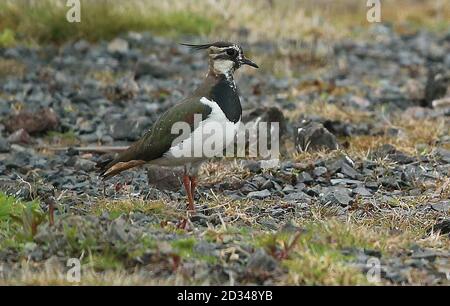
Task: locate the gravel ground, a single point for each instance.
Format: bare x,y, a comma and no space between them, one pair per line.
253,225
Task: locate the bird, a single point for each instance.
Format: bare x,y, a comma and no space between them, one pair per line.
215,103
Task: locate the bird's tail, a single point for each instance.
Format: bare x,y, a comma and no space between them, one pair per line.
110,166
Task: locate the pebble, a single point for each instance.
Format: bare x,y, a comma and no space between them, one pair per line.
5,146
259,194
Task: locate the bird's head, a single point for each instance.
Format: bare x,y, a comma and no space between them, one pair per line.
224,57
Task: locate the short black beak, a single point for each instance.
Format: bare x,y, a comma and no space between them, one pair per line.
246,61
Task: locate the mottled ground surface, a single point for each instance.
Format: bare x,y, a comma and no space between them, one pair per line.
373,211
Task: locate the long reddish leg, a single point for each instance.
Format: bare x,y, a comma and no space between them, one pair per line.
193,186
51,213
187,187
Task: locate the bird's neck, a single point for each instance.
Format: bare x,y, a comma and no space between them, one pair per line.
217,76
224,92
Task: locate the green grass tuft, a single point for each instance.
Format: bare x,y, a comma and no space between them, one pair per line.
45,21
18,220
7,38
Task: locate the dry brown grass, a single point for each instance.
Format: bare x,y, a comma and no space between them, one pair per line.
417,137
33,274
9,67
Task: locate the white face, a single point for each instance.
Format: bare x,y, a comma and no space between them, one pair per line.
223,61
223,66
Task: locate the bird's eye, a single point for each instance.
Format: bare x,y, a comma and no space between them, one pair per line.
232,52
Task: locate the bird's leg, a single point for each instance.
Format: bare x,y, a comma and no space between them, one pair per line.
193,186
187,187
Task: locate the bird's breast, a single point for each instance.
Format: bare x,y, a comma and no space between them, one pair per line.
210,138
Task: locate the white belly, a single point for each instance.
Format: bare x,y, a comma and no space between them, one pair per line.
211,137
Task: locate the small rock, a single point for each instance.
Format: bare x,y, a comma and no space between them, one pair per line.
248,187
118,45
268,184
164,178
20,136
319,171
84,165
314,136
348,170
345,182
5,147
425,254
288,188
443,206
81,46
117,230
304,177
205,248
298,197
259,194
251,165
18,160
362,191
443,155
260,260
33,122
337,196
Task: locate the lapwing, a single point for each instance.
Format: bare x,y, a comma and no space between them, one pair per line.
214,103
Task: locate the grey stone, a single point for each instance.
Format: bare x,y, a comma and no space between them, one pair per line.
344,182
205,248
259,194
248,187
298,197
117,230
425,254
348,170
268,184
319,171
165,178
84,164
251,165
5,147
337,196
443,154
288,189
314,136
20,136
304,177
260,260
362,191
443,206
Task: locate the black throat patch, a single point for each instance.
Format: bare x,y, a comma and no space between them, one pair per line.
225,94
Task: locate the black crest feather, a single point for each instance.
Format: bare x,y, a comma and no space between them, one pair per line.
219,44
